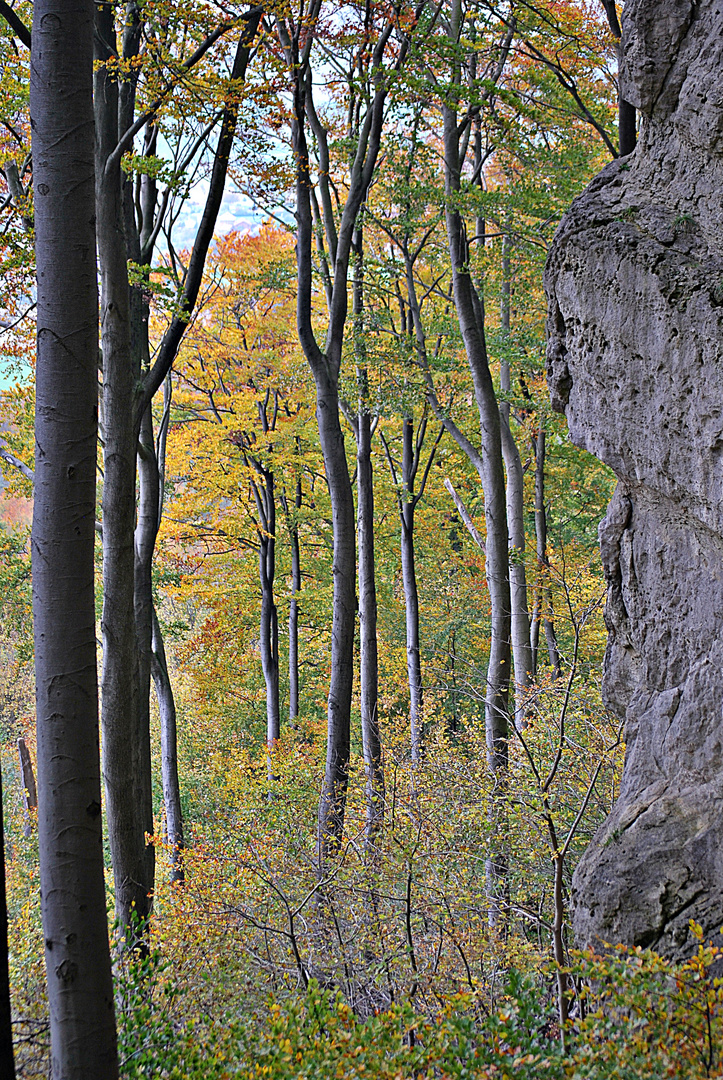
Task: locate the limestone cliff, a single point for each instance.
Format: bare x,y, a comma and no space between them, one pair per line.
635,360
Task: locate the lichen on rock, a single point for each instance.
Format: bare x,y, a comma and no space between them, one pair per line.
635,361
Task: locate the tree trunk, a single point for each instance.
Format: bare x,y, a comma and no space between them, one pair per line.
407,507
627,133
7,1057
368,660
169,754
269,625
515,493
470,312
471,320
336,775
545,611
30,791
294,613
126,748
144,542
80,992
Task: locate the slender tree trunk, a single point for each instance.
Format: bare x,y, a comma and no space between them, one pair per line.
294,613
325,367
515,490
368,661
30,791
627,133
146,530
151,472
470,312
269,625
336,775
80,992
126,756
545,609
471,319
7,1057
169,754
368,647
411,594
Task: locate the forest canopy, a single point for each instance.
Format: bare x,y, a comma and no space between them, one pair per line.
313,691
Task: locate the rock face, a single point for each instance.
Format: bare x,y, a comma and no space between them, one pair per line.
635,361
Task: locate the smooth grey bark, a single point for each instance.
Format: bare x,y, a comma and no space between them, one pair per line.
126,739
544,609
292,524
515,493
75,930
263,488
325,366
408,499
407,507
489,463
7,1056
128,389
264,494
368,648
169,754
363,427
470,313
30,791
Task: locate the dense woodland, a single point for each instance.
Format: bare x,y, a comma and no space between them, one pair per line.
334,555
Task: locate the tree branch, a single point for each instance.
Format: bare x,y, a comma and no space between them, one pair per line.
15,23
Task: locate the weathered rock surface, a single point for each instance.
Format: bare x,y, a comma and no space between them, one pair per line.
635,360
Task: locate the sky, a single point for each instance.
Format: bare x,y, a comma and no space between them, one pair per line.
237,212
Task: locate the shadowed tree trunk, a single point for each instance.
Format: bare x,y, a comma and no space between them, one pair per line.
325,366
77,957
368,650
408,499
627,132
169,754
264,493
263,488
7,1057
407,506
544,612
470,312
363,427
129,385
293,527
126,743
520,615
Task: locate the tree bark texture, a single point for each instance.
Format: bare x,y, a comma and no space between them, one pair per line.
169,754
80,992
7,1056
293,526
336,775
126,748
490,464
407,506
545,611
470,312
30,791
264,492
515,494
325,368
368,658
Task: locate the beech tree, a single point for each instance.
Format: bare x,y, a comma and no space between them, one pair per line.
374,63
80,992
7,1056
129,223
